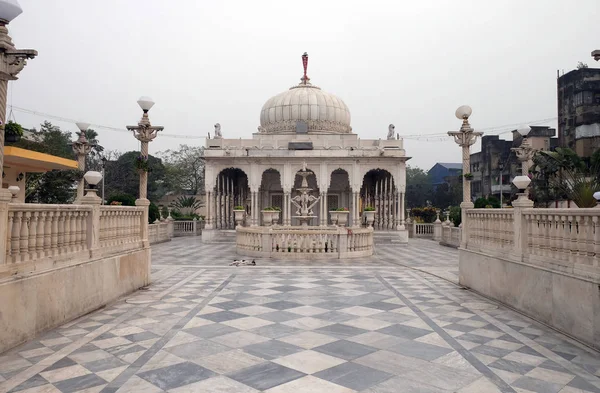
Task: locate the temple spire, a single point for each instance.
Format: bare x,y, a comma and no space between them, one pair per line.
305,79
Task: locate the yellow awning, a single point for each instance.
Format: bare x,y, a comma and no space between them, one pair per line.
33,161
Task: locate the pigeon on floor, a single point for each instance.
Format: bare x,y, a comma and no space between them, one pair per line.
243,262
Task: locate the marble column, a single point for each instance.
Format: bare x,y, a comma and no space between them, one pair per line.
324,210
253,209
286,208
209,218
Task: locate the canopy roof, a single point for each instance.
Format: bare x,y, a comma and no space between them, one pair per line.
33,161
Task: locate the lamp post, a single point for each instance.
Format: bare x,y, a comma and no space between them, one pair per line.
501,168
525,151
12,61
81,148
103,176
465,137
145,133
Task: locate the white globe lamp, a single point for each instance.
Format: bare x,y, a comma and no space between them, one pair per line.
146,103
463,112
521,182
9,10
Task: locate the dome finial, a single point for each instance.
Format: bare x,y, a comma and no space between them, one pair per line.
305,78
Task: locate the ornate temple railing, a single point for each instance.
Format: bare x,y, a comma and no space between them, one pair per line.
450,236
187,228
490,230
308,242
42,237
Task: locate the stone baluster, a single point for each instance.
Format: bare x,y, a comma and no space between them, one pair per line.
596,245
41,227
9,251
33,235
24,238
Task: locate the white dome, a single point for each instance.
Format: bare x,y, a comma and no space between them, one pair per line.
323,112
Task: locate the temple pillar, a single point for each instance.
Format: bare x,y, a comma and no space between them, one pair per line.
209,211
287,216
324,212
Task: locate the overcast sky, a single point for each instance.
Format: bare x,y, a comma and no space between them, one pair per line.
407,63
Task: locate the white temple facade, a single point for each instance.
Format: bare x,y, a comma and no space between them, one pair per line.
305,127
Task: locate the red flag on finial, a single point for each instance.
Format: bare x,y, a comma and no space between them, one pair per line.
305,64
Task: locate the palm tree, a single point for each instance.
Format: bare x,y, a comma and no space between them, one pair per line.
562,173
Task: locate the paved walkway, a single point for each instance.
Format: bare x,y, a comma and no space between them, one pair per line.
380,325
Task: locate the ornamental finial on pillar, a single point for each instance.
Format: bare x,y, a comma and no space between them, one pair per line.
305,79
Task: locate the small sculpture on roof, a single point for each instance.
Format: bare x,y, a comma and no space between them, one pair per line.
390,134
218,134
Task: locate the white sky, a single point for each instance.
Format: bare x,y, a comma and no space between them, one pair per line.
407,63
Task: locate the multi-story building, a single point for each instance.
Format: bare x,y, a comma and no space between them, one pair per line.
579,110
495,166
442,170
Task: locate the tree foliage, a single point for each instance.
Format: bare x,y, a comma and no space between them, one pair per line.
186,205
54,186
121,176
185,168
562,174
418,187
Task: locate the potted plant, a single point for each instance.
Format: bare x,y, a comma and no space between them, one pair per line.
141,164
269,214
339,216
468,176
276,214
239,214
369,215
12,132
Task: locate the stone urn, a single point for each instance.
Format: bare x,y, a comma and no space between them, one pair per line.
239,216
339,217
369,216
267,216
275,216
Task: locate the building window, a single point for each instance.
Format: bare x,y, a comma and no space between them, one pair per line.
588,97
578,99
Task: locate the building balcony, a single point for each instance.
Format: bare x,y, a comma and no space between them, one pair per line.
505,188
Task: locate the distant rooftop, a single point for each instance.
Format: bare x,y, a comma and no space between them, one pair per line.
450,165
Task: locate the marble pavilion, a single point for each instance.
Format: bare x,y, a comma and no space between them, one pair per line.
305,126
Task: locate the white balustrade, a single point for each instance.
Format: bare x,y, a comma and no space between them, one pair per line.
283,242
160,232
187,228
120,225
490,230
424,230
451,236
40,237
567,240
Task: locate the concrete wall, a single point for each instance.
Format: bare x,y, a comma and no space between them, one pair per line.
40,301
567,303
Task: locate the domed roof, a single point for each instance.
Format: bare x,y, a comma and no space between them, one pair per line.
322,112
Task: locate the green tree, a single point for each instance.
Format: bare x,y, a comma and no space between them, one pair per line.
185,169
562,174
122,177
53,186
418,187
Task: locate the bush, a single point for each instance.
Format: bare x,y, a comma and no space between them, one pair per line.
482,203
153,213
424,214
179,216
164,212
455,215
369,209
125,199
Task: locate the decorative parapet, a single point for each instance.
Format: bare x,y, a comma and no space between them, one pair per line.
560,240
45,237
309,243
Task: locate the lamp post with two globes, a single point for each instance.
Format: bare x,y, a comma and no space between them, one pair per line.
12,61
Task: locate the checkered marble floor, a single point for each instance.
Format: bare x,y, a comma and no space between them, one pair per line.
373,326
